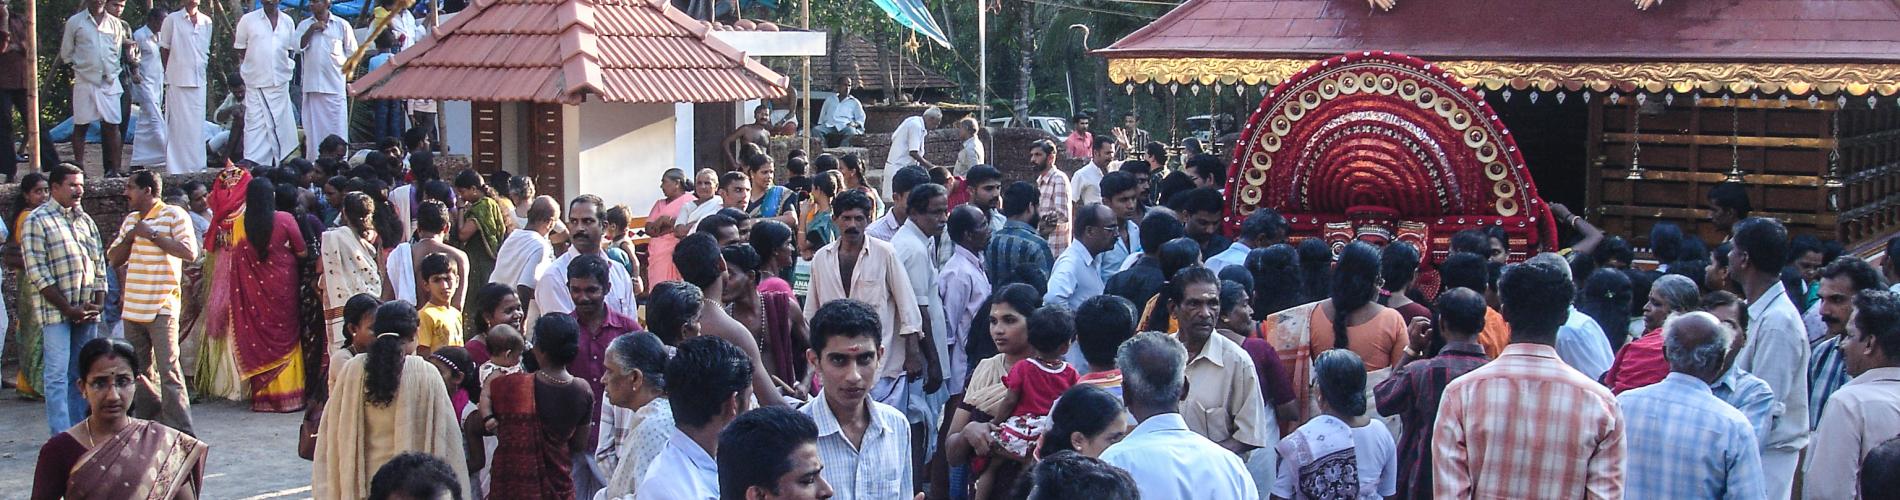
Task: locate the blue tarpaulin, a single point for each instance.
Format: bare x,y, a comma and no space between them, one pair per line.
912,14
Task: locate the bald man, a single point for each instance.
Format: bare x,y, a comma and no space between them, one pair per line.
526,251
1683,442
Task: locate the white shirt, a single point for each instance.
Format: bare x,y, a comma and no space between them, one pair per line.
908,137
842,112
1582,345
917,254
94,47
701,210
521,259
550,292
323,58
1075,278
1777,352
266,49
151,65
1375,457
1234,255
682,471
879,468
1087,184
1170,462
188,37
971,155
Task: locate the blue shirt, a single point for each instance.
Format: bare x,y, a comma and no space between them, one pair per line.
1751,395
682,471
1168,462
1076,278
1017,246
1683,442
1826,374
1234,255
878,467
1129,243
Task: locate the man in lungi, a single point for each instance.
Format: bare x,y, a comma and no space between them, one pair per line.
327,41
148,86
94,44
185,44
264,40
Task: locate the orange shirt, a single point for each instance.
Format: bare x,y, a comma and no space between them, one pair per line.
1496,333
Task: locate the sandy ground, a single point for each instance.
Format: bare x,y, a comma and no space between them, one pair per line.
253,455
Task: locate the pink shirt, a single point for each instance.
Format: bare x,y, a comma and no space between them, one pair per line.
1484,448
1076,145
660,247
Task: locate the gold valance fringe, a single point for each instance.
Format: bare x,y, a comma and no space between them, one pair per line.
1710,78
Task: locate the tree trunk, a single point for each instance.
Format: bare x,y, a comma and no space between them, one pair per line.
884,55
1026,63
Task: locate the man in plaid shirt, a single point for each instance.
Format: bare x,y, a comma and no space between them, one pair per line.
1683,441
1417,382
63,259
1527,425
1055,204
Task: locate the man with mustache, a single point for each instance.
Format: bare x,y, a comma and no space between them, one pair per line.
585,237
867,270
1840,282
1219,373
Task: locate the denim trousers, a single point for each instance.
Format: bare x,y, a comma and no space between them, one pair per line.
65,404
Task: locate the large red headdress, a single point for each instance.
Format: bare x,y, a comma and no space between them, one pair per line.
1383,147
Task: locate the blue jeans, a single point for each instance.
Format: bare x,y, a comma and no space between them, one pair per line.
59,351
388,121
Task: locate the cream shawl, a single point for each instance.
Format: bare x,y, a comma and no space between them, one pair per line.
349,268
425,423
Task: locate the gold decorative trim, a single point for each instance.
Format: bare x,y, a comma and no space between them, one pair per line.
1795,79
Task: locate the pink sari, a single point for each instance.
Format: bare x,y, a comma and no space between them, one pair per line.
660,246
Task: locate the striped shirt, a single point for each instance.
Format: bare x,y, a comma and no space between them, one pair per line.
152,276
879,467
1017,245
1685,443
1826,374
1412,393
60,247
1485,444
1055,199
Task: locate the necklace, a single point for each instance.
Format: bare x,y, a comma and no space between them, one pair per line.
550,378
90,439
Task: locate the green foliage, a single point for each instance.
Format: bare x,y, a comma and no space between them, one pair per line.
56,77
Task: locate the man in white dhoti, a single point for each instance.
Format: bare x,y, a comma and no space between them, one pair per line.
94,44
185,44
148,86
326,42
264,40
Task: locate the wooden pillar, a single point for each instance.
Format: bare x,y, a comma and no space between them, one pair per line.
31,115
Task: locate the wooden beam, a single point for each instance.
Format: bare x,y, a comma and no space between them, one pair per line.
31,115
1721,140
1716,177
1821,220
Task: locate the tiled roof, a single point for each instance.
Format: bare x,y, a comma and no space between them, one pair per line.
1748,31
857,58
562,51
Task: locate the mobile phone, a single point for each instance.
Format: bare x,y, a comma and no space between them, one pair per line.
98,297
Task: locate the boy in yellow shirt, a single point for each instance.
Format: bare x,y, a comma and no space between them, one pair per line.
441,321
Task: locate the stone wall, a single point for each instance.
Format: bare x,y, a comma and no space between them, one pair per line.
104,200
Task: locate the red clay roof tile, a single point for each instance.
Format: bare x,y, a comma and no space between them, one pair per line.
565,50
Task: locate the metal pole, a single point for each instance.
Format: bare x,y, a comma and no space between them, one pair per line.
31,115
983,63
804,101
441,119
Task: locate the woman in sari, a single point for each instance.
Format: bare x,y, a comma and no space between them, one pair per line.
314,338
983,399
853,172
660,220
769,200
818,211
217,373
350,261
1349,319
484,224
111,455
261,313
33,191
540,419
773,316
385,402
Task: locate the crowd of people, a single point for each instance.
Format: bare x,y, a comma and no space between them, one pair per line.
1094,336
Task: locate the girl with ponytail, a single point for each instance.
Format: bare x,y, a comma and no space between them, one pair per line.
484,224
386,402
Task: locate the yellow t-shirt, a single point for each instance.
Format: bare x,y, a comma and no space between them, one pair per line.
441,326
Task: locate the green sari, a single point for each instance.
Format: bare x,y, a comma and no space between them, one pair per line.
491,226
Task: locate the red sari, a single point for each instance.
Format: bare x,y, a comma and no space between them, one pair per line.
264,317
